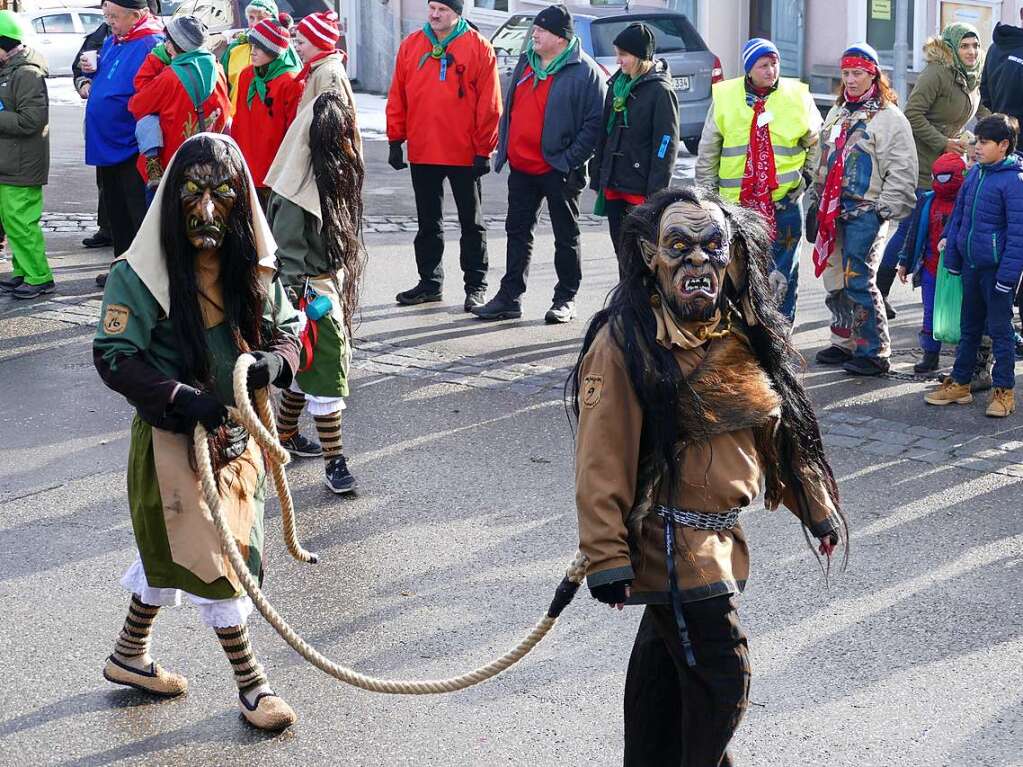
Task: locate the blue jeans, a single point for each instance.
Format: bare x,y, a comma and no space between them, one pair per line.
928,282
897,240
982,304
785,252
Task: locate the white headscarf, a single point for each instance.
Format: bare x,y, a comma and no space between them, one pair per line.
146,255
291,174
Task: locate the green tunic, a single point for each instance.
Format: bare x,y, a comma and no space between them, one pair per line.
173,529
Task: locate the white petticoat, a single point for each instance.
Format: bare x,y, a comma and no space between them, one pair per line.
319,405
215,613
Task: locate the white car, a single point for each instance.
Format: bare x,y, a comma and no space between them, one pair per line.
58,34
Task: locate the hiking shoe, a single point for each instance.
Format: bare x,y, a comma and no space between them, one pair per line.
11,284
928,364
339,480
474,299
301,447
1002,403
866,366
833,355
101,239
948,393
420,294
499,308
101,280
560,312
24,290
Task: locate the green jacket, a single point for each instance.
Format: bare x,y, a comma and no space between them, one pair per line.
300,251
24,120
939,107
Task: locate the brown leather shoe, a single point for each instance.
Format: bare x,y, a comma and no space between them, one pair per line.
269,713
156,680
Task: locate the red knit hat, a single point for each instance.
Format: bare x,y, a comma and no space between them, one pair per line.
271,36
321,29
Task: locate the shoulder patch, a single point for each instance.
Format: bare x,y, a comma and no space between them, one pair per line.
115,321
593,386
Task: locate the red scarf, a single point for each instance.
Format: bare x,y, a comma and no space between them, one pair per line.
759,178
308,68
831,197
147,25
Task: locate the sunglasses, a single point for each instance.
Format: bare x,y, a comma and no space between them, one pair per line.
943,178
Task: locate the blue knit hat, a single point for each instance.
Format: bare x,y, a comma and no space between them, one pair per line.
755,49
863,51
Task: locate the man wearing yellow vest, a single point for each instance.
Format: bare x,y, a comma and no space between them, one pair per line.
759,145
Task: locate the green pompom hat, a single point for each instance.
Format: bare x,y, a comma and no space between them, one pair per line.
10,26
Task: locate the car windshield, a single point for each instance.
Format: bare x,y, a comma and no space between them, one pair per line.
672,34
510,39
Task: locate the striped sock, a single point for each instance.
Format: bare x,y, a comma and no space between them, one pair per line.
328,427
248,672
132,643
288,415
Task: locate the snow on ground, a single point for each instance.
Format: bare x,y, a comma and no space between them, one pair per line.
62,92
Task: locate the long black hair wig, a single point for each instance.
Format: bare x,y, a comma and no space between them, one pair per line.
339,172
244,294
661,388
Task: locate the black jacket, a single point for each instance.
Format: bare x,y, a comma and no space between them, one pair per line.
1001,86
93,42
639,158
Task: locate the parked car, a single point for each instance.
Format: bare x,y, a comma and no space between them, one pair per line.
693,67
57,33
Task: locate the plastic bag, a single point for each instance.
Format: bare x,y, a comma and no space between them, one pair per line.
948,305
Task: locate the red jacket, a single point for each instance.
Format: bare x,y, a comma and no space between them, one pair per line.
450,121
259,129
158,91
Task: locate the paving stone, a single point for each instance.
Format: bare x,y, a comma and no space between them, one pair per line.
978,464
383,228
845,430
928,443
927,456
837,440
926,431
883,448
1012,469
895,437
501,374
852,418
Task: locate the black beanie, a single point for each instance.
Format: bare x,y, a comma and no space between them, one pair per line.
636,39
8,44
132,5
455,5
557,20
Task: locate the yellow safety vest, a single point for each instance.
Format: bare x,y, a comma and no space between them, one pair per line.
789,123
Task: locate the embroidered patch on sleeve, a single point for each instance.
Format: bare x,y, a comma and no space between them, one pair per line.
115,321
592,388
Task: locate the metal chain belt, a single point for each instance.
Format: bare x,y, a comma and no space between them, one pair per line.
699,519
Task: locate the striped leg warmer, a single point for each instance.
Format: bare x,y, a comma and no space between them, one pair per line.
247,670
133,641
288,415
328,427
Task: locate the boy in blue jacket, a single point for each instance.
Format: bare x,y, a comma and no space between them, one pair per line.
984,244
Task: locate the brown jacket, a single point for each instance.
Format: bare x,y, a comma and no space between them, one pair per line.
722,472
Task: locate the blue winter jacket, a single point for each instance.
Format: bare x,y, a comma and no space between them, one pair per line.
109,126
986,227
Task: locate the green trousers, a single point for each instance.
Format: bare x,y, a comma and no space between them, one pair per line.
21,207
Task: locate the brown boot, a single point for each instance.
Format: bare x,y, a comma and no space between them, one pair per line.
154,170
949,392
1002,403
155,679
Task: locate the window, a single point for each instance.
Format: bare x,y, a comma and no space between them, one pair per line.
37,25
510,39
60,23
90,20
881,28
492,5
672,34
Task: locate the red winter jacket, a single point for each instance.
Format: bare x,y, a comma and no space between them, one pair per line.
259,129
158,91
449,121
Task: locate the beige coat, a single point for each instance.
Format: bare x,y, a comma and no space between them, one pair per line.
329,74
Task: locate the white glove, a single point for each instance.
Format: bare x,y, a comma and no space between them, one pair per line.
778,283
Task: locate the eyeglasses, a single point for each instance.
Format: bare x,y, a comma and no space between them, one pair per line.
943,178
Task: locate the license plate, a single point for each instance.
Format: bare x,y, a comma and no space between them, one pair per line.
680,83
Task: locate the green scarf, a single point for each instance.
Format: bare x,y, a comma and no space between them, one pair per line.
952,36
197,71
286,62
540,72
440,47
623,86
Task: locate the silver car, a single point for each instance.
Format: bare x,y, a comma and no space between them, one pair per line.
693,67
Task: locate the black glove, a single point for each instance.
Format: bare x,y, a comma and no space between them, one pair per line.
199,407
481,165
395,158
264,371
612,593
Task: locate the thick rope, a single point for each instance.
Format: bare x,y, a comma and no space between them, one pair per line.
573,577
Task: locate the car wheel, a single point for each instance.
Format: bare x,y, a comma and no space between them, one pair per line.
692,145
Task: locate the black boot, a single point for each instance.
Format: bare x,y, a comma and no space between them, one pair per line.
885,278
928,364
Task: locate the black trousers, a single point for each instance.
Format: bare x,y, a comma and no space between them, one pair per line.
102,219
124,195
526,194
616,211
428,186
676,716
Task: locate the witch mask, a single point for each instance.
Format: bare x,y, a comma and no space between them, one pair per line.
207,198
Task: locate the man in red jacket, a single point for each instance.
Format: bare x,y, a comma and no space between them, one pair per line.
445,101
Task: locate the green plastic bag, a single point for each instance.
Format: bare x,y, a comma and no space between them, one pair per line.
948,305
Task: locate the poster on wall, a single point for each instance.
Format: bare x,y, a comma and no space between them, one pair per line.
881,9
981,15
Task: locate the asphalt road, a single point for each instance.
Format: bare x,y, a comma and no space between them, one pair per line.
461,529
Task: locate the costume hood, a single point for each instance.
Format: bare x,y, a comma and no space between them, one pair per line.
291,174
146,254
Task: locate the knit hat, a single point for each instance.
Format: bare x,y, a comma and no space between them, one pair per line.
11,27
271,37
455,5
756,49
132,5
557,20
862,56
636,39
266,6
186,33
321,29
